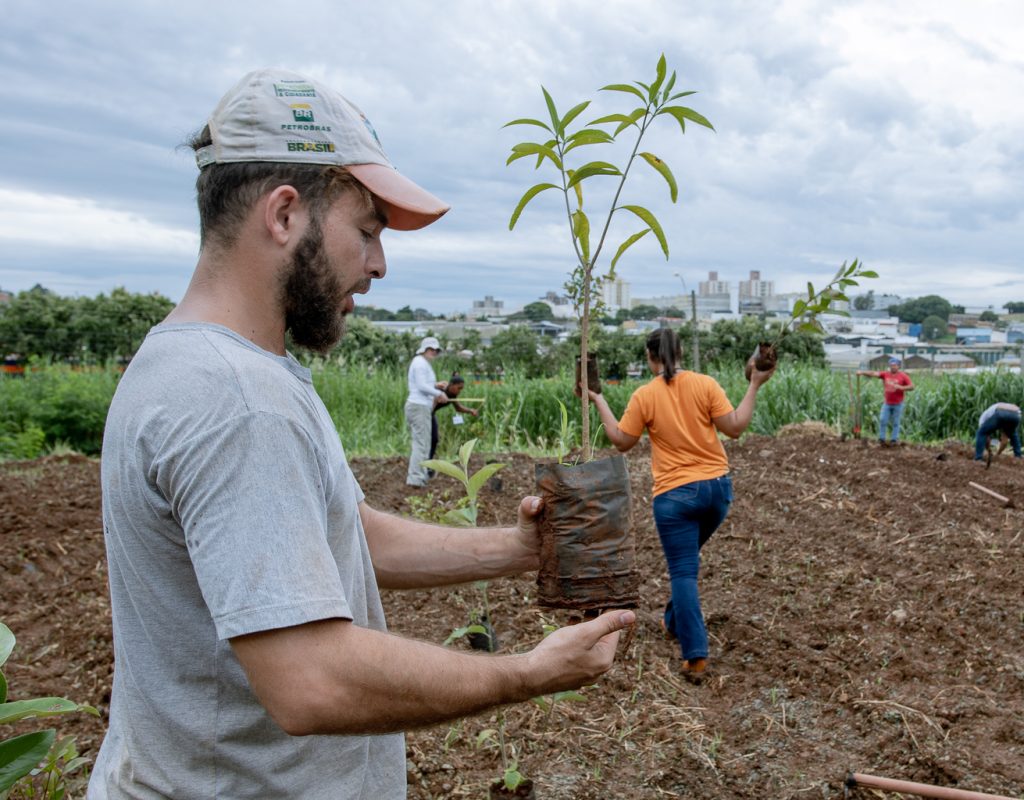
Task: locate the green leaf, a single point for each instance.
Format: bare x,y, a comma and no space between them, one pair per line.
550,145
627,244
485,735
799,307
576,188
581,230
40,707
664,171
551,110
592,168
572,114
609,118
445,468
677,95
21,754
631,119
461,517
458,633
622,87
653,223
3,688
532,192
659,80
668,87
481,476
542,702
812,327
532,148
570,696
7,641
587,136
465,452
682,113
810,290
525,121
868,273
513,777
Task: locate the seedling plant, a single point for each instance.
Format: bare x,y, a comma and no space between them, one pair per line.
21,756
649,101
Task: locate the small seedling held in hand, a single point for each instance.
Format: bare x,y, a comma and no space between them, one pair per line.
806,312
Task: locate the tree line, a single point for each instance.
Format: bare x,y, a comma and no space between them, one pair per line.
40,324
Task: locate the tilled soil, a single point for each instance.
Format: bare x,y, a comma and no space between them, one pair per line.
865,607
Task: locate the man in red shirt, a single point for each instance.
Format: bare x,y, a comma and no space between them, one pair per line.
897,383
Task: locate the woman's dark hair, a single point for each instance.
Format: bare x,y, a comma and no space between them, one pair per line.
663,346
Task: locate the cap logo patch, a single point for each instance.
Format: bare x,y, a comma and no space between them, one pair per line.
294,89
310,147
302,112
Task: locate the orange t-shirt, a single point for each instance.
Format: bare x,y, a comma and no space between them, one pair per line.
677,415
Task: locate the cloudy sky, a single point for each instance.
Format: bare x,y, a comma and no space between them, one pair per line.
887,131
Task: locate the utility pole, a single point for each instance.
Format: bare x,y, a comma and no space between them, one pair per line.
695,346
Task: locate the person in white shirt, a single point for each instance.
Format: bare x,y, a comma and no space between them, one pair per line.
424,393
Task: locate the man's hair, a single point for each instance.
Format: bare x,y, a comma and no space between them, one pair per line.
663,345
456,378
226,192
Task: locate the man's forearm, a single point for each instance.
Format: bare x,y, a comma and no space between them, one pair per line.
334,677
408,554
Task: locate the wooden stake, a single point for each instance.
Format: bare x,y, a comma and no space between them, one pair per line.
1006,501
920,789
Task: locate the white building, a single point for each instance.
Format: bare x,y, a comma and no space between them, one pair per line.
488,307
713,286
615,294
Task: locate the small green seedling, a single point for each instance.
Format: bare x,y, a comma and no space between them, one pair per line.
464,517
22,755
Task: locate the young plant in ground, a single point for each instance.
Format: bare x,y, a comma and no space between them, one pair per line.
806,312
511,777
20,756
465,516
654,100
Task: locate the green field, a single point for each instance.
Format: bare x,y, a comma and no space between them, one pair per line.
61,408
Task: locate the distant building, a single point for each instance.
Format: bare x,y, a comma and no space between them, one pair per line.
615,294
1015,333
973,335
713,286
755,287
488,307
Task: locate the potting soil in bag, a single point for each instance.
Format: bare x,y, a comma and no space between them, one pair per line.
588,552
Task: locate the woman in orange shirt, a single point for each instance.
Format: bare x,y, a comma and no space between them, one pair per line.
683,413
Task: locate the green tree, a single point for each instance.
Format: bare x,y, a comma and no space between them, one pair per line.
1014,307
644,311
734,340
916,309
933,328
517,349
538,311
864,302
989,316
367,345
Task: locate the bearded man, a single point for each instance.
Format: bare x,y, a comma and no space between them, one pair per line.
252,658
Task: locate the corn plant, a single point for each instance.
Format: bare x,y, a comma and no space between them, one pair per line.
21,755
656,99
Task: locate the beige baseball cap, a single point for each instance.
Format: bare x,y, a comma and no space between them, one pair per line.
279,115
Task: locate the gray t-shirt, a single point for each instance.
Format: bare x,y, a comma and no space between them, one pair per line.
228,508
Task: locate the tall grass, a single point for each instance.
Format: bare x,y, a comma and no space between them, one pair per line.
55,406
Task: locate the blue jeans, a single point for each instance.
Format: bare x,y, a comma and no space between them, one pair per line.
686,517
1007,422
890,415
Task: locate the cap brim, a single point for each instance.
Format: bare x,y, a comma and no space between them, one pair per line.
408,206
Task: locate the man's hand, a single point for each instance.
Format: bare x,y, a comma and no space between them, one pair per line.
577,654
526,524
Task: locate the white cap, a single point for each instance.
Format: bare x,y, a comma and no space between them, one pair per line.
280,116
428,343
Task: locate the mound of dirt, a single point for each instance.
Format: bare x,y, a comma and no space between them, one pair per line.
863,604
808,428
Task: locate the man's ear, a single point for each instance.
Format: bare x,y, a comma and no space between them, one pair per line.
283,214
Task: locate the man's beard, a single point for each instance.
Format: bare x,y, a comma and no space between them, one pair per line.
313,295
